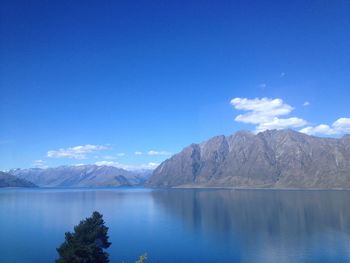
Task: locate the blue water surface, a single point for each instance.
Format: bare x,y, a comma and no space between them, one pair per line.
181,225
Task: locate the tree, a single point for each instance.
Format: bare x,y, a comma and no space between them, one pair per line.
87,243
142,259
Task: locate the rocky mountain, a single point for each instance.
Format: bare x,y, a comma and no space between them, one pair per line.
80,176
274,159
8,180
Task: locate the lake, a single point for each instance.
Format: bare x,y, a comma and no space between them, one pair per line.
181,225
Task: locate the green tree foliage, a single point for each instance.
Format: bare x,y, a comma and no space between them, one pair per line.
87,243
142,259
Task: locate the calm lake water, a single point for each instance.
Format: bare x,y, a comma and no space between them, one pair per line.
181,225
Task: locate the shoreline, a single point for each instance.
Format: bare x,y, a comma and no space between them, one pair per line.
260,188
176,188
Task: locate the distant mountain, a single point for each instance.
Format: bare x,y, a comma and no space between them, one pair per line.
80,176
275,158
8,180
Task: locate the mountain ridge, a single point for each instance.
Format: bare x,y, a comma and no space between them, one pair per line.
269,159
80,176
8,180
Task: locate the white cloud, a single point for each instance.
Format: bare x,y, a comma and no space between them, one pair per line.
121,154
319,129
153,165
76,152
138,153
40,164
79,164
152,152
130,167
260,110
265,112
340,126
279,124
108,163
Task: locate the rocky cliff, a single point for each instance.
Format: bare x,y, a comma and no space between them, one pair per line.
274,158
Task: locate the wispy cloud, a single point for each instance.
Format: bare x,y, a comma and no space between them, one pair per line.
76,152
262,85
282,74
138,153
306,103
129,167
265,113
40,164
153,152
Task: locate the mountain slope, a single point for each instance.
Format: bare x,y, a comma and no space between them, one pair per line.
277,158
79,176
8,180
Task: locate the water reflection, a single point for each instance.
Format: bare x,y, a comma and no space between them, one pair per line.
269,226
44,215
182,225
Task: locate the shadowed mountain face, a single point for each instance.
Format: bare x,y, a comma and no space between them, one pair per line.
279,159
8,180
80,176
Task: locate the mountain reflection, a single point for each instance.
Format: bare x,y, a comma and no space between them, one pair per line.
279,222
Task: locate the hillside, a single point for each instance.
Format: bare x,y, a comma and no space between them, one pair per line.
274,158
80,176
8,180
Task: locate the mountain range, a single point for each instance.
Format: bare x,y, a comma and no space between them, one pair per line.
269,159
8,180
81,176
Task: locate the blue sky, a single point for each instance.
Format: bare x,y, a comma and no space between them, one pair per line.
97,81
